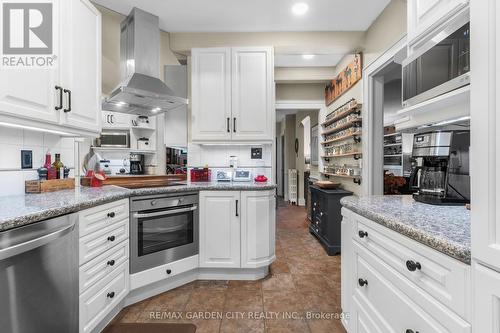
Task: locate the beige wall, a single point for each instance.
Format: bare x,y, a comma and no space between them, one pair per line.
111,49
303,74
386,30
300,92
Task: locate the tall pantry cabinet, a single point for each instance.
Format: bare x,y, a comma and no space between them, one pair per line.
485,163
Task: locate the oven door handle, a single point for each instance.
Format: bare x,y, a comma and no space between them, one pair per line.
163,213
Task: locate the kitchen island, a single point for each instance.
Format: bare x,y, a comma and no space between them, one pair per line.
405,265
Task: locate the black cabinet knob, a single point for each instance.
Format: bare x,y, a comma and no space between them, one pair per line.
362,234
169,271
413,266
111,263
111,294
111,238
112,214
362,282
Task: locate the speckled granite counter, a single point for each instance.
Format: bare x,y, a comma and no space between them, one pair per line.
443,228
19,210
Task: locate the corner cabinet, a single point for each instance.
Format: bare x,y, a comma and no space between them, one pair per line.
232,94
237,229
425,15
67,96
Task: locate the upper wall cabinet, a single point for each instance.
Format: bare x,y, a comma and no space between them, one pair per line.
63,97
232,94
425,15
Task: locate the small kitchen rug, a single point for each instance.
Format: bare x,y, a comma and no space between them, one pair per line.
150,328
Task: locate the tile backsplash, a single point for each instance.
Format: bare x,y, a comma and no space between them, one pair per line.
217,157
13,140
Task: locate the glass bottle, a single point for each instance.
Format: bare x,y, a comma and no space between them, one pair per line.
58,165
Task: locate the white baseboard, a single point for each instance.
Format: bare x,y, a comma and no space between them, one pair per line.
302,202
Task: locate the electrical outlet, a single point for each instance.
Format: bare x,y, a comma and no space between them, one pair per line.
256,153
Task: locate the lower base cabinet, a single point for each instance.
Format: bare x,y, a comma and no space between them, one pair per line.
237,229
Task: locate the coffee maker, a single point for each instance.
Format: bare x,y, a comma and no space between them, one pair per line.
136,164
441,174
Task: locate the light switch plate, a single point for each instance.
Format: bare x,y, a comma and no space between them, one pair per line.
256,153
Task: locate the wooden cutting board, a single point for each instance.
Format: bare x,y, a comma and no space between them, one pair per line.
139,181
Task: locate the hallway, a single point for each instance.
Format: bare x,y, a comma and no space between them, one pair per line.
303,280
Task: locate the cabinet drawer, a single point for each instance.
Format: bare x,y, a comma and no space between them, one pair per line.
100,299
101,266
100,241
162,272
397,302
443,277
96,218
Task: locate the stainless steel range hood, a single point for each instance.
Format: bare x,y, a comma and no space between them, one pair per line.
141,91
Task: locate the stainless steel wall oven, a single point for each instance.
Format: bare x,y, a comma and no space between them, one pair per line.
163,229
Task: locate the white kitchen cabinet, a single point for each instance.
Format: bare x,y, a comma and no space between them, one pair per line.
252,93
29,96
486,300
425,15
485,126
346,276
211,94
232,94
219,229
116,120
258,228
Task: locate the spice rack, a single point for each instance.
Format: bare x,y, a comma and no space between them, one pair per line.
341,135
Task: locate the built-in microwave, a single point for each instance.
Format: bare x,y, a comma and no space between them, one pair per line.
440,65
114,139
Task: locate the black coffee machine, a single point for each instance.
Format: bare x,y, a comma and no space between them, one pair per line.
136,164
441,174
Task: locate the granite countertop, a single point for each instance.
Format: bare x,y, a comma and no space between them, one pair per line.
443,228
19,210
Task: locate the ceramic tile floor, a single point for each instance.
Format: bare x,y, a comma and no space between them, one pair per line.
302,279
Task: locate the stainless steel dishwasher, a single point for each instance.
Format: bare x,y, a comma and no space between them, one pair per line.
39,277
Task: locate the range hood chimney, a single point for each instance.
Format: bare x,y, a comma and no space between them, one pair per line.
141,91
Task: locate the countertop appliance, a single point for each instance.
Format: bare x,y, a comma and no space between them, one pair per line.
241,175
141,91
441,175
439,66
163,229
39,277
223,176
136,164
114,139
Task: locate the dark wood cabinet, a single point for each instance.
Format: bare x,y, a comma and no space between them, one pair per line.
326,217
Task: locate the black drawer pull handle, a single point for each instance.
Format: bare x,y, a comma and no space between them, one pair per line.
362,282
411,331
112,214
60,106
413,266
111,294
111,263
362,234
69,100
228,130
169,271
111,238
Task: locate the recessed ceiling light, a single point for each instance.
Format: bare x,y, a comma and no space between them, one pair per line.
308,56
156,109
300,8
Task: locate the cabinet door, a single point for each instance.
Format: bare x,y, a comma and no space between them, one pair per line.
211,94
258,228
485,126
219,229
486,300
81,65
115,120
30,93
252,93
424,15
346,268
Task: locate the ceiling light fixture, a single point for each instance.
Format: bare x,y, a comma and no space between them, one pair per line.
300,8
156,110
308,56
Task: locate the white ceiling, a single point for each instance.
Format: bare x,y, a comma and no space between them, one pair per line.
255,15
297,60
